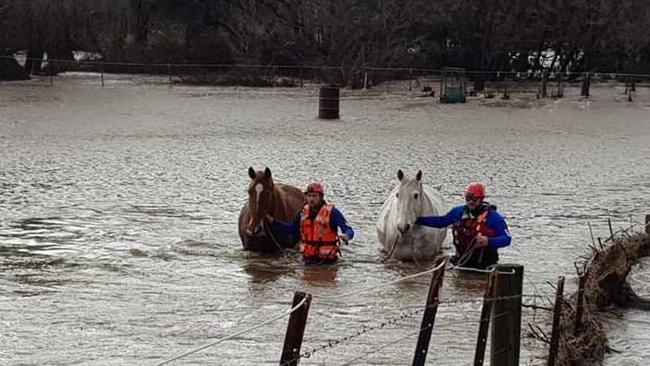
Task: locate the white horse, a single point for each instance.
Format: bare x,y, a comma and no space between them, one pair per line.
400,237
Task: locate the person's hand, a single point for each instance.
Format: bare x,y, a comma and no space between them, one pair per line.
481,241
269,218
344,238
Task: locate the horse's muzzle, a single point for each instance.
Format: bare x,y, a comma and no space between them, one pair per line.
255,231
403,228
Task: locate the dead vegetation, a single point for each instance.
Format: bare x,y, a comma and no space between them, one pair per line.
582,339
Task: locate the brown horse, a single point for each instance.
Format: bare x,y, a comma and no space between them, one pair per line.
281,201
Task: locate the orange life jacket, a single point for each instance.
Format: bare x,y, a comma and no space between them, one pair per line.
317,239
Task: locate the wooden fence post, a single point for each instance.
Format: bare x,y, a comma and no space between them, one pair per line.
486,313
101,73
365,80
586,83
429,316
580,303
50,70
506,315
295,330
628,89
557,314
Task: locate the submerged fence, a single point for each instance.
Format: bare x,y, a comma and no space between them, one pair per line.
501,312
502,304
483,83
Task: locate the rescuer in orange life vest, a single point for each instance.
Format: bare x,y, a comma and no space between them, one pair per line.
317,223
478,229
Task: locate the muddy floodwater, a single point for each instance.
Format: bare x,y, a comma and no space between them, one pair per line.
119,205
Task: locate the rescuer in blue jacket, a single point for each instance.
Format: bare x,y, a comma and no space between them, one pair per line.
478,229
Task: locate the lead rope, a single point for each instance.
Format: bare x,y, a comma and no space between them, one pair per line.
392,250
467,255
268,231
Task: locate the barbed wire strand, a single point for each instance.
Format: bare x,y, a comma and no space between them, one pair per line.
376,349
393,320
259,325
340,341
335,342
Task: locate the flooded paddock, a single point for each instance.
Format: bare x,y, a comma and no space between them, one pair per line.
119,206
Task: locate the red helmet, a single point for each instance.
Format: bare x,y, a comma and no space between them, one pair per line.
475,189
315,187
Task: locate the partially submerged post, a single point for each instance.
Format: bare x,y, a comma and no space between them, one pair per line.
486,313
101,73
580,303
560,86
295,330
506,315
629,87
555,330
50,70
586,83
543,93
429,316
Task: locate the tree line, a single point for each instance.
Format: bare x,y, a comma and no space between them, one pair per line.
506,35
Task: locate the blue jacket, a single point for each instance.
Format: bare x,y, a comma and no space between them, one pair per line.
337,221
493,221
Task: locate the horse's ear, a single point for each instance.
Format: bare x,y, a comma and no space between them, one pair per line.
267,173
419,175
400,175
251,172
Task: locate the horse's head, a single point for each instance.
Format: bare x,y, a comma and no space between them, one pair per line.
409,200
260,194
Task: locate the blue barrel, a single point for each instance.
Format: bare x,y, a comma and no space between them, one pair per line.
328,102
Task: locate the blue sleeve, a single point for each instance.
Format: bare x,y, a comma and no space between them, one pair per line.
501,236
292,228
454,215
337,221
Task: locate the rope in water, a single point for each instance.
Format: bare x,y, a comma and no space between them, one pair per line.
280,316
383,284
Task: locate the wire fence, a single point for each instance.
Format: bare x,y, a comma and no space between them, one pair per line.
404,312
484,83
